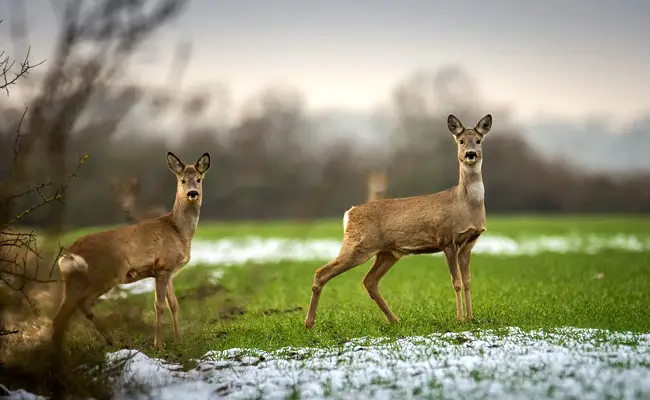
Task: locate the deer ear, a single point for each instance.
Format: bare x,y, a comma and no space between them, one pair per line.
203,164
484,125
454,125
174,163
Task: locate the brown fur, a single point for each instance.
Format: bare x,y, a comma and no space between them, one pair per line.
377,185
450,221
126,192
155,248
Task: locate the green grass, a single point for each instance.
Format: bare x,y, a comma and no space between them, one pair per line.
263,305
544,292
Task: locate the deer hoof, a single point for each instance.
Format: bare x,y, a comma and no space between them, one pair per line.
309,323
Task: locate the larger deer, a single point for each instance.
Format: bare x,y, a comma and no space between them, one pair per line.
450,221
155,248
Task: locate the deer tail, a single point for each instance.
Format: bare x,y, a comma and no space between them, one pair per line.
70,263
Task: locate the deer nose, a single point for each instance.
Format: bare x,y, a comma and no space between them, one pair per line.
192,194
470,154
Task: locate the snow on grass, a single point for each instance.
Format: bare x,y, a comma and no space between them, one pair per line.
569,362
235,251
240,251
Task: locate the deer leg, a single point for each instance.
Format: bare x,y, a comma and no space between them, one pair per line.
172,303
159,305
85,305
451,253
72,290
347,259
464,257
383,263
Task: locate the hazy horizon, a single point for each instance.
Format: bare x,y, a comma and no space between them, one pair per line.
570,61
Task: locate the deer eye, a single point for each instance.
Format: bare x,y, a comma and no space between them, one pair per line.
478,141
198,180
461,141
182,180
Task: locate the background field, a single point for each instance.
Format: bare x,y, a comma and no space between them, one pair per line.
543,291
260,306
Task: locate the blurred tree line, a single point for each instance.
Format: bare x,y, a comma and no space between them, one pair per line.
272,163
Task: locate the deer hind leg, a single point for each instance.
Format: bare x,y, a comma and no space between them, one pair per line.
348,258
159,305
85,305
464,256
383,263
73,289
172,303
451,253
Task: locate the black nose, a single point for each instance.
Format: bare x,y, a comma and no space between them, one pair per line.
471,154
192,194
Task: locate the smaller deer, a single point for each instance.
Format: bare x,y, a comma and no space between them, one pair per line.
450,221
377,185
126,192
155,248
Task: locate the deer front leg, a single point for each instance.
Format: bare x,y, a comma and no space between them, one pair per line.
161,288
451,253
464,262
172,303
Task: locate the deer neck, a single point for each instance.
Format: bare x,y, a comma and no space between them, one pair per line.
186,216
470,183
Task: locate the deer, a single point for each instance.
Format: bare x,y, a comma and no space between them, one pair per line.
450,221
126,192
377,184
154,248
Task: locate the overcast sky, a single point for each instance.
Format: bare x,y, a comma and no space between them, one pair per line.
572,59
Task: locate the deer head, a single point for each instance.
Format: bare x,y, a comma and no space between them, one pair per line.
189,177
469,140
126,190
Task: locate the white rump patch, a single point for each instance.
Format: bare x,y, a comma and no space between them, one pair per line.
72,262
346,218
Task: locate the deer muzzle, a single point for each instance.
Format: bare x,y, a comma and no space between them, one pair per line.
193,195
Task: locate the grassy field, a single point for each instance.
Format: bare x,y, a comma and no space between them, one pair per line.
262,305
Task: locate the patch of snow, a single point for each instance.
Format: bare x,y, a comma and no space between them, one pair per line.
19,394
240,251
236,251
569,362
